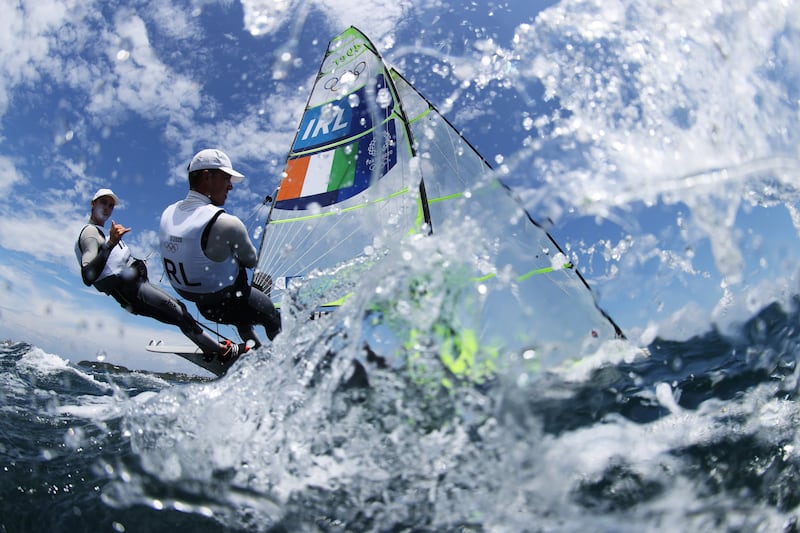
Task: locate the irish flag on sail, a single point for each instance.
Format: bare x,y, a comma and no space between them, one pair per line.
325,172
333,175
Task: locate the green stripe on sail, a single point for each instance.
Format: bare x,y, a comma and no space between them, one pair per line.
445,198
371,203
343,168
528,274
544,270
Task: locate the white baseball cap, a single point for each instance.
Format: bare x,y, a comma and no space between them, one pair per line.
105,192
212,158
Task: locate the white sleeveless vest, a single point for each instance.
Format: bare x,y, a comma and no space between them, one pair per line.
186,266
118,259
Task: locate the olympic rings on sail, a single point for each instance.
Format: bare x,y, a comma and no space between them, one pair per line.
333,84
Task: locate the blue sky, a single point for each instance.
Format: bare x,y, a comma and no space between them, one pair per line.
646,123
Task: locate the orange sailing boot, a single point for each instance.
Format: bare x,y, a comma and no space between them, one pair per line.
231,351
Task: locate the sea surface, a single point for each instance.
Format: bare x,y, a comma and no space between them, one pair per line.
696,435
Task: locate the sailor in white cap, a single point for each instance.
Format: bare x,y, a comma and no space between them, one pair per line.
107,264
206,252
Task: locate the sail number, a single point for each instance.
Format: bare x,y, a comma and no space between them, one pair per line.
172,273
332,122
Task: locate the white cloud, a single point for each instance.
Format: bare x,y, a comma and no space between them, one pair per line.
34,39
379,17
139,81
55,242
173,20
8,175
378,20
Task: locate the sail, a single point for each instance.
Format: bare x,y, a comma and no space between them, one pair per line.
372,162
348,183
532,294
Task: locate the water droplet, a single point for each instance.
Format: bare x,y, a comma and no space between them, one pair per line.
384,98
527,123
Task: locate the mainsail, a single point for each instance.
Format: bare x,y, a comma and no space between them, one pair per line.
348,181
373,161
